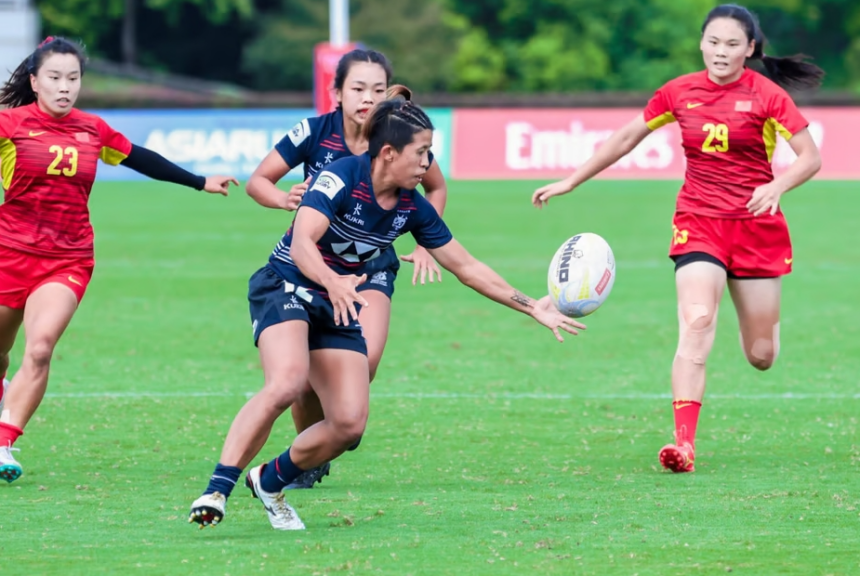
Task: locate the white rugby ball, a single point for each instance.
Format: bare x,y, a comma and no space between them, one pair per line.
581,275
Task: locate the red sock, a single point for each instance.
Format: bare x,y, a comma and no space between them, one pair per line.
686,419
8,434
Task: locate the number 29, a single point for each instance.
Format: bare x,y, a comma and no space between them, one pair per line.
717,139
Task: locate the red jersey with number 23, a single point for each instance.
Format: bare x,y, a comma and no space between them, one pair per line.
48,166
728,133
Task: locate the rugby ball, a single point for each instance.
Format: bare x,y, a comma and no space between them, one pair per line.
581,275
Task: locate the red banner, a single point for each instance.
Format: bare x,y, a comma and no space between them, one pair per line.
326,58
552,143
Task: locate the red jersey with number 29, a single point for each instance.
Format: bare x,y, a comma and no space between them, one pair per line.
48,166
728,133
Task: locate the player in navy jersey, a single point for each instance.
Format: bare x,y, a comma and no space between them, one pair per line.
49,153
361,80
305,306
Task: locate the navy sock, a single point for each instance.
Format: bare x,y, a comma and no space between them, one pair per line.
223,480
278,473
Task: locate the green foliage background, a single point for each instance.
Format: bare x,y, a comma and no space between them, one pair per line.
455,45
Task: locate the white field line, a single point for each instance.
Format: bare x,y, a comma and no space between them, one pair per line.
466,396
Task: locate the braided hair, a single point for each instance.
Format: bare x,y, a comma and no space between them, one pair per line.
17,91
394,121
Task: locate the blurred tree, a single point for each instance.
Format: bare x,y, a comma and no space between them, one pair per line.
413,35
828,30
460,45
549,45
558,45
155,33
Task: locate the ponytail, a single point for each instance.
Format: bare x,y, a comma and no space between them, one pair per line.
400,90
17,91
793,72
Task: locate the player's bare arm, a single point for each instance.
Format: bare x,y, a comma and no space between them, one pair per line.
765,199
621,143
262,186
484,280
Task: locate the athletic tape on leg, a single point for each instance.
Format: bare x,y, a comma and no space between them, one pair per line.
696,335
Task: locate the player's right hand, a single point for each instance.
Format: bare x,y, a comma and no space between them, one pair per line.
294,196
343,296
547,314
542,195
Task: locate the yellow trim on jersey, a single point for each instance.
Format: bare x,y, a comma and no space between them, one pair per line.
771,127
8,157
661,120
110,156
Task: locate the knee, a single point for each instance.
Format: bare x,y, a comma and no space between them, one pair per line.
38,352
348,429
762,355
698,318
697,330
354,446
282,392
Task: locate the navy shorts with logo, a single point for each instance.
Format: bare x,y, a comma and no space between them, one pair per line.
381,273
274,300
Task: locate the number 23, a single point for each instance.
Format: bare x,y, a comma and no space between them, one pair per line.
718,132
68,171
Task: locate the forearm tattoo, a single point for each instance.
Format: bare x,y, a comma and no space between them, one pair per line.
521,298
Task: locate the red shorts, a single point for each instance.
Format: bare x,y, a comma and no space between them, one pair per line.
21,274
748,248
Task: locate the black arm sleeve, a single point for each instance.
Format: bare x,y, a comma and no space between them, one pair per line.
157,167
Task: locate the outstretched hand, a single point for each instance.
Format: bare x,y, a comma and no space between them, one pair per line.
541,196
547,314
424,264
219,184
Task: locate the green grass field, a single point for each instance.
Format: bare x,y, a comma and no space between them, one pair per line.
491,449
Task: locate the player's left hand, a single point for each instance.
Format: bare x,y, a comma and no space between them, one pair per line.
547,314
424,265
219,184
765,199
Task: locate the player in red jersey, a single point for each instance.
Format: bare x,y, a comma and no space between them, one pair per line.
48,156
728,228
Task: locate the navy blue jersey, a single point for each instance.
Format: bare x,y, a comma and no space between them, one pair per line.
315,142
360,229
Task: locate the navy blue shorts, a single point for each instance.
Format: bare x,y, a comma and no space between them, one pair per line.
381,273
274,300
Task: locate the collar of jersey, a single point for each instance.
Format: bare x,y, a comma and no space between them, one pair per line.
42,115
744,75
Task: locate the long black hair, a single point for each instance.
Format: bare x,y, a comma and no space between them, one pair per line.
794,72
394,121
17,91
